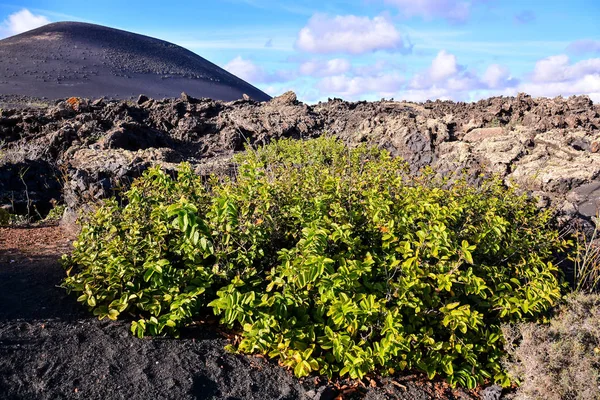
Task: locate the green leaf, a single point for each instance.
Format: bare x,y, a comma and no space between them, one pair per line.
468,256
113,314
148,274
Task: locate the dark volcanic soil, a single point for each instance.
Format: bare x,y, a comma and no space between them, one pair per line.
51,348
76,59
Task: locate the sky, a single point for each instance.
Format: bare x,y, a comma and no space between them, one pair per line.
415,50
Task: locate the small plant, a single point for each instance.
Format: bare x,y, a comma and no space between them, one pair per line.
335,261
56,213
3,145
16,219
587,262
22,173
4,217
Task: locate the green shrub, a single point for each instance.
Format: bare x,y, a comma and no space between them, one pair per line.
334,260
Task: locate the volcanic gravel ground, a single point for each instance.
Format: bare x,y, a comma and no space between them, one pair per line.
67,59
52,348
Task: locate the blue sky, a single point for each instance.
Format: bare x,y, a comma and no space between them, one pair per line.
365,49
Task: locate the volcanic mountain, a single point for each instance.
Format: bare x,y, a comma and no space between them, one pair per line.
77,59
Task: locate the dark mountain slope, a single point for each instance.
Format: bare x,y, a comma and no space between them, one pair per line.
78,59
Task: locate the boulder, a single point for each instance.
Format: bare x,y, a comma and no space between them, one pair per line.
133,136
479,134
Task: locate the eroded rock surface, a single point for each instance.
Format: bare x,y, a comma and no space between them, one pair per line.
82,150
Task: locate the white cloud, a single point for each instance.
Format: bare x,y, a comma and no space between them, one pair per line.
555,75
320,68
558,69
383,85
446,79
588,84
463,82
551,69
432,93
245,69
584,67
374,69
452,10
497,76
274,90
552,76
348,34
23,21
254,74
443,66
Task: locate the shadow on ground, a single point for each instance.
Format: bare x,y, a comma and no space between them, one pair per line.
29,289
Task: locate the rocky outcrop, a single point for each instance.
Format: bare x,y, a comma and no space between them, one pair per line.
80,150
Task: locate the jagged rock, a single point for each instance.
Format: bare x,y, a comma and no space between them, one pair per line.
133,136
550,147
61,110
189,99
142,99
479,134
98,102
288,98
493,392
587,199
97,174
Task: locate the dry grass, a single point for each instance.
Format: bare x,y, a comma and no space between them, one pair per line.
587,263
561,360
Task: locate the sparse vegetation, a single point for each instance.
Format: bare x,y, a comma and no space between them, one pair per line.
3,145
494,123
55,213
22,174
4,217
560,360
587,262
334,261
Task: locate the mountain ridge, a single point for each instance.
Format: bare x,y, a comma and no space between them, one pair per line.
66,59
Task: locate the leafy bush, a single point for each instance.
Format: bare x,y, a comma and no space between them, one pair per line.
332,260
560,360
